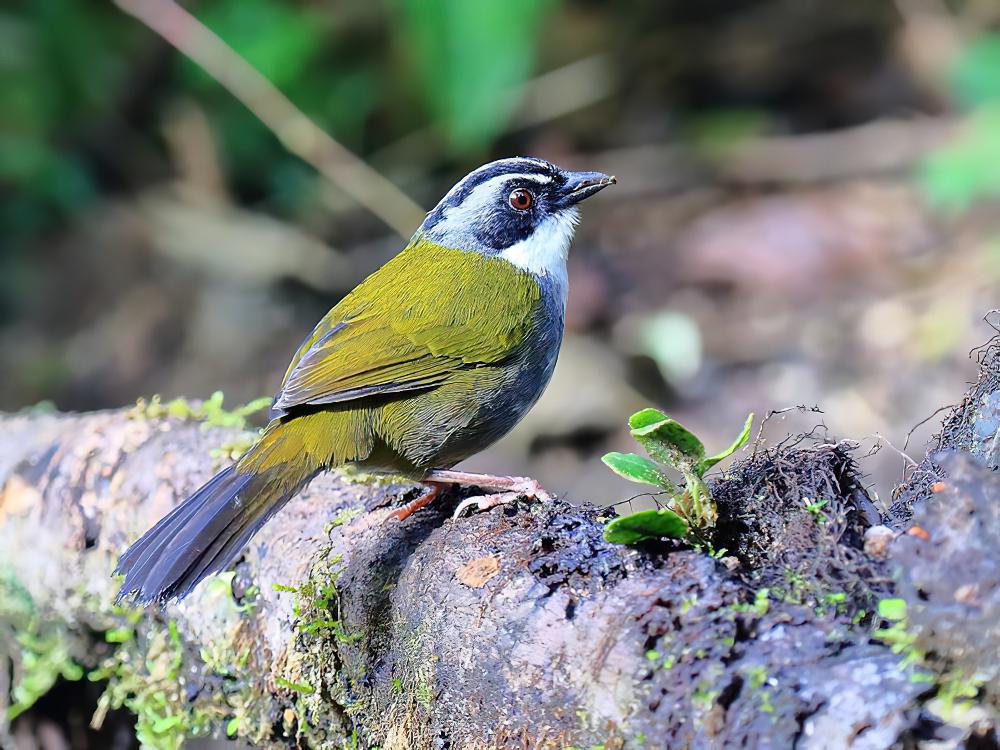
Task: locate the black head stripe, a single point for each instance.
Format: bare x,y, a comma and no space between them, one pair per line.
516,166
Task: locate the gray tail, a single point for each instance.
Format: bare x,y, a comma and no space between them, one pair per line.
203,534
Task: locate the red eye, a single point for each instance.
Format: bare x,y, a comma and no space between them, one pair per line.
521,199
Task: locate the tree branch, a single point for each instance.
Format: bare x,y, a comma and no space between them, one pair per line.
519,627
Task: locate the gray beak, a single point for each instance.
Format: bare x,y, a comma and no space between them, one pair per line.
580,185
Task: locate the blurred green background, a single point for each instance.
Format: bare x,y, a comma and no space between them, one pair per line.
806,211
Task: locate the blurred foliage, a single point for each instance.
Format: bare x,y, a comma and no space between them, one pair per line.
468,61
86,88
957,175
472,59
331,75
49,98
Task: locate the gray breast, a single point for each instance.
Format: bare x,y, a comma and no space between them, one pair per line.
526,375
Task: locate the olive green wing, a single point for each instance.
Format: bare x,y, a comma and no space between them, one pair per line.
426,314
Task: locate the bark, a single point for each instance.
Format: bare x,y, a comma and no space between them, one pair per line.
517,627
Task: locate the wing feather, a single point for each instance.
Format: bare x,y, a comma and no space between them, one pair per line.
423,316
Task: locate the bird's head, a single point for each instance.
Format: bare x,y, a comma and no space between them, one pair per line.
521,209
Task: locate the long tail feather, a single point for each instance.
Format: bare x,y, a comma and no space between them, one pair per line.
202,535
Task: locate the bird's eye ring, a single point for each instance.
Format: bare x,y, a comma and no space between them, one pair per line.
521,199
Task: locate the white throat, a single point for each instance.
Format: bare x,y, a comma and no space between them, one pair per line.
544,252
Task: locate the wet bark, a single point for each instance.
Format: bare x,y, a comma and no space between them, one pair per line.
517,627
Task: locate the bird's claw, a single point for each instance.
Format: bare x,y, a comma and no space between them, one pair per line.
485,502
529,488
521,487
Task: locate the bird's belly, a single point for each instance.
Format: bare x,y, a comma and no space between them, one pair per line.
498,409
474,409
503,398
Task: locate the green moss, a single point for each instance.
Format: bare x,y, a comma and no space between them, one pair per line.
312,675
232,450
174,690
956,688
424,693
704,696
144,676
345,516
154,674
759,606
210,412
297,687
757,676
351,474
815,507
40,651
759,679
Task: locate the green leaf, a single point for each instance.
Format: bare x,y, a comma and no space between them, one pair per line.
738,443
962,171
233,726
638,469
892,609
254,406
671,442
645,418
646,524
279,39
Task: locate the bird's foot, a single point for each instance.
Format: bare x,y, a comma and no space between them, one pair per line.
485,502
525,486
431,491
529,488
509,489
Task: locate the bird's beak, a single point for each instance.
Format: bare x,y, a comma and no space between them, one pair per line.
580,185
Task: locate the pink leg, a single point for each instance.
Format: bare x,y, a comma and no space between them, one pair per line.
523,485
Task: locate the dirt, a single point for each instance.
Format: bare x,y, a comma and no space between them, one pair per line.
969,427
794,516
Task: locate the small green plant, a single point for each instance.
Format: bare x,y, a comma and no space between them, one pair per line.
668,443
815,507
298,687
210,411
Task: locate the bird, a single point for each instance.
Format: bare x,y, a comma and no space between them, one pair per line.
429,360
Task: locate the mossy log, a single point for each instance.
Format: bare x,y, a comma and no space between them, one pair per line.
519,627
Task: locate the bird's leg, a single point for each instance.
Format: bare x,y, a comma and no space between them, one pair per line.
510,488
521,485
431,491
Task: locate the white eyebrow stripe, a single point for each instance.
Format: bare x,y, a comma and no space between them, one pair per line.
543,179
